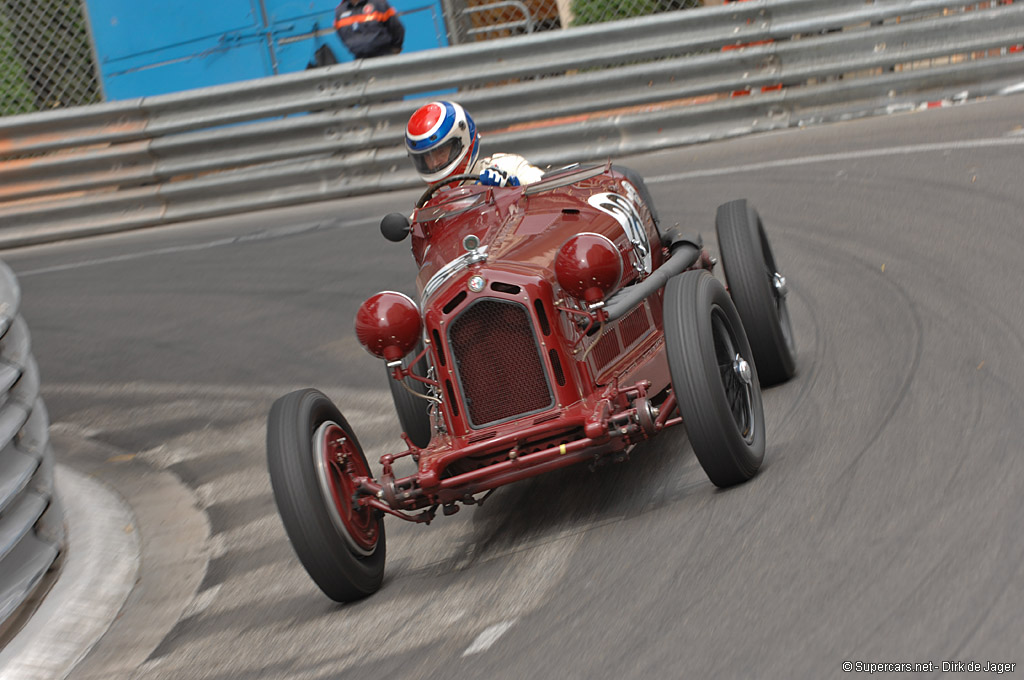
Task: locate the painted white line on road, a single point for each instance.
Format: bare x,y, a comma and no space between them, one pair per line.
964,145
1012,139
96,579
488,637
247,238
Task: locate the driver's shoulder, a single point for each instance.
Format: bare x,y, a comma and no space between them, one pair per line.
500,159
512,164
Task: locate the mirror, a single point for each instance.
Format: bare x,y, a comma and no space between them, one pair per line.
395,227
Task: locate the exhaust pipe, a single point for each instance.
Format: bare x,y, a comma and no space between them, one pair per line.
683,254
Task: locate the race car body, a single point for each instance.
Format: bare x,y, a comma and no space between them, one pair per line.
557,323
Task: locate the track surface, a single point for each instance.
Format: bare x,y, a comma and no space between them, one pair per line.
884,526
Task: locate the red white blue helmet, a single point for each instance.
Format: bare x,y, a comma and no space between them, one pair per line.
442,140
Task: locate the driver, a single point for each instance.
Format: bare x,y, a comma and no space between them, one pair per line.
443,142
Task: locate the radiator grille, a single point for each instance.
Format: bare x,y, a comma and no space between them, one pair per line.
634,325
607,348
499,365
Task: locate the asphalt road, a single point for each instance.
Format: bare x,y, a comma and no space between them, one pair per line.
883,527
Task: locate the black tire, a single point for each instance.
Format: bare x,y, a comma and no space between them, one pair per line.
342,548
758,289
722,412
413,412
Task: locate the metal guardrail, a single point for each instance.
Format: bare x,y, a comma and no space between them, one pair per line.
556,97
31,519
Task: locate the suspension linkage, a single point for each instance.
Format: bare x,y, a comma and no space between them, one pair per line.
424,517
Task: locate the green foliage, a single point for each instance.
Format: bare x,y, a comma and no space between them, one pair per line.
45,56
15,94
598,11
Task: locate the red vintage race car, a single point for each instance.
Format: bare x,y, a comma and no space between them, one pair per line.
558,323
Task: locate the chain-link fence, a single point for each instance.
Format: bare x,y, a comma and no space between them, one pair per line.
473,20
46,58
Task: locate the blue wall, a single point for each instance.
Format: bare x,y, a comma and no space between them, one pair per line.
147,48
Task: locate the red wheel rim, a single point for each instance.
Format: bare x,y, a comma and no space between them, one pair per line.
339,464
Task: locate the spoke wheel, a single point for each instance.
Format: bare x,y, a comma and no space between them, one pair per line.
315,463
759,290
714,379
736,376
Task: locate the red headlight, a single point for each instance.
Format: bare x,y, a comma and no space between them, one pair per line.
588,266
388,325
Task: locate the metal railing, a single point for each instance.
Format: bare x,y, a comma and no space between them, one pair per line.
514,15
556,97
31,519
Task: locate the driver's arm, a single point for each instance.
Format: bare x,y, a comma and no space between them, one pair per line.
508,169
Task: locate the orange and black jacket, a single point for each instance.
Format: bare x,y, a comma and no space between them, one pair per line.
370,28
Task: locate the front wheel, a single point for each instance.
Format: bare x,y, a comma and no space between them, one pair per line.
413,412
314,460
714,378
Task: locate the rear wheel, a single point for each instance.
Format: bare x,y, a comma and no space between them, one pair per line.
758,289
314,459
714,379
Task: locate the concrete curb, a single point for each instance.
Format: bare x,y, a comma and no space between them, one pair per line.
99,572
138,549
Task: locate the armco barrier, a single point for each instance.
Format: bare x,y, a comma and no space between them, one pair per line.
556,97
31,519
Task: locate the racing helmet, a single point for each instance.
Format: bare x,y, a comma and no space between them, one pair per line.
442,140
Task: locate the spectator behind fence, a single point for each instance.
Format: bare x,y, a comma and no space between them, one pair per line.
369,28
